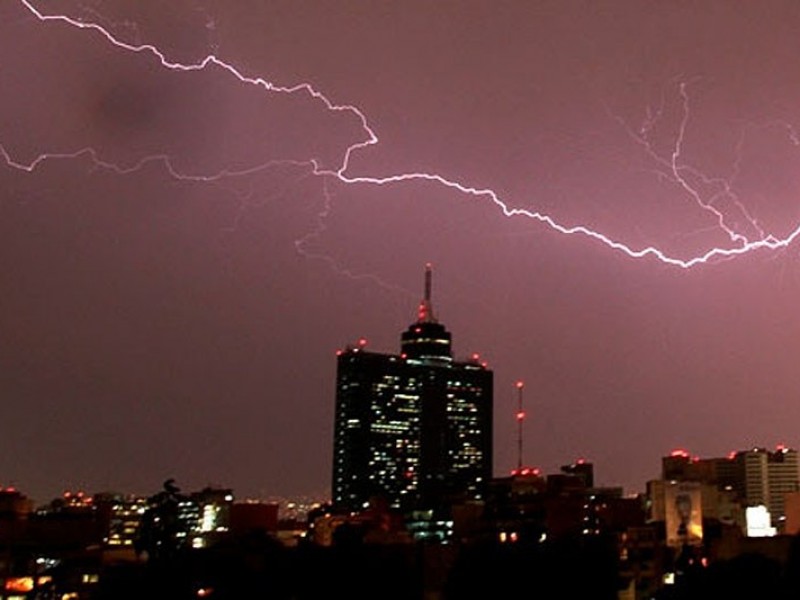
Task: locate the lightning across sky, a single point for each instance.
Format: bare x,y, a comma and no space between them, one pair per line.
743,239
201,201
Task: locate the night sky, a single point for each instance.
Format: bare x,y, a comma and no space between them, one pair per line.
171,301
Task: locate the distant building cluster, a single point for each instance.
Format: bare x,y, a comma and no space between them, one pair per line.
60,550
699,513
755,489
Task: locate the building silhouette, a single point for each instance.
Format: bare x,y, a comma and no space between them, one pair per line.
414,428
752,477
764,478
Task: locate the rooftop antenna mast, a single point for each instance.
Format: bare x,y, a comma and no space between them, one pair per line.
520,418
426,306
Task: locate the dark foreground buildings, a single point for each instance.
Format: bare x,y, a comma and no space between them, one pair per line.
414,428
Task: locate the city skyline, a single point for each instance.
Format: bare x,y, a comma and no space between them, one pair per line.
678,465
173,298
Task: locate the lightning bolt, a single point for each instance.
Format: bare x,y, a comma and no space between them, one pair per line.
674,170
302,243
670,166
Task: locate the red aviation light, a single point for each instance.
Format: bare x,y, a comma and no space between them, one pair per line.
679,452
526,471
520,384
520,415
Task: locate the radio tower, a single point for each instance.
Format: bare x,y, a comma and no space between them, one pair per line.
520,418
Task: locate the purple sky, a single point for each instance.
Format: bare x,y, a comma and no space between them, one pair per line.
155,327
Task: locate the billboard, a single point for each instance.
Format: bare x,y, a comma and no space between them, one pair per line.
759,523
684,513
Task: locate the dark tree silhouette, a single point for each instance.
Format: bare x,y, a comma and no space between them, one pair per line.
158,532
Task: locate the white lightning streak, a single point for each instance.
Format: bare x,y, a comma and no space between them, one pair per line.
742,245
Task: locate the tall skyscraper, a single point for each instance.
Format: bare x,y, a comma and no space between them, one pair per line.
783,478
414,428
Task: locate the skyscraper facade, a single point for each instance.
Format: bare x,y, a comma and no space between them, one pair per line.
783,478
414,428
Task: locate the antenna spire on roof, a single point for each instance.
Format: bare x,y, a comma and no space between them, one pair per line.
426,307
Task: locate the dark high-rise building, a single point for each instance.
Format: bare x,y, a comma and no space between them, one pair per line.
414,428
582,470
